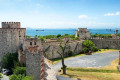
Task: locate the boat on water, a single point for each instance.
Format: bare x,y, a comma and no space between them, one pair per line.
39,30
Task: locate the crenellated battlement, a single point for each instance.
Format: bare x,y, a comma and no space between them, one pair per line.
10,24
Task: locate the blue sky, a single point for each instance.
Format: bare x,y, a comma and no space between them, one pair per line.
62,13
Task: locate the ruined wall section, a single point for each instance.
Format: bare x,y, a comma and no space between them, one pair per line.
53,47
107,43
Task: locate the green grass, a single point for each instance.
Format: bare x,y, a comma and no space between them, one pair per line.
1,75
92,70
92,74
106,50
103,73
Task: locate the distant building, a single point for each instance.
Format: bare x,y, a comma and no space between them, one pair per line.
82,33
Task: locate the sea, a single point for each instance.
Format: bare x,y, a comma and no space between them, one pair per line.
43,32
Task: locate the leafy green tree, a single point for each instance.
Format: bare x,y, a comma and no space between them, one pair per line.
59,35
36,36
9,60
89,46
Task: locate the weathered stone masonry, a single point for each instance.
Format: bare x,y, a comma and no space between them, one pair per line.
11,37
36,65
53,47
107,43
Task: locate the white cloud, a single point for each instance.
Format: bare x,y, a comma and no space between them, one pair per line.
112,14
83,16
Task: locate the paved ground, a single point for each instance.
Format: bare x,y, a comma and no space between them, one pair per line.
63,78
95,60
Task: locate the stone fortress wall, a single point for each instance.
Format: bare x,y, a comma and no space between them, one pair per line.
53,47
11,37
107,43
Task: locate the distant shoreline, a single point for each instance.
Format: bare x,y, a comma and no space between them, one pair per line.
42,32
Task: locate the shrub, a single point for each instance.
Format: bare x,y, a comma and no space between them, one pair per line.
75,38
102,35
70,53
106,48
85,50
93,48
89,46
49,36
27,78
8,60
28,36
59,40
1,75
20,77
88,43
16,77
20,70
42,39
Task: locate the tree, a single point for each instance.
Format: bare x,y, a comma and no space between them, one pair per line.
59,35
63,47
89,46
9,60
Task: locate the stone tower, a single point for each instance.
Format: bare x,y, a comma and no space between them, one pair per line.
36,65
82,33
11,37
33,51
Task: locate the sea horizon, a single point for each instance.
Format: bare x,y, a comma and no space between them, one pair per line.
43,32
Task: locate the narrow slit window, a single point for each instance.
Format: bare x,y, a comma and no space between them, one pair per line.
30,43
34,43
